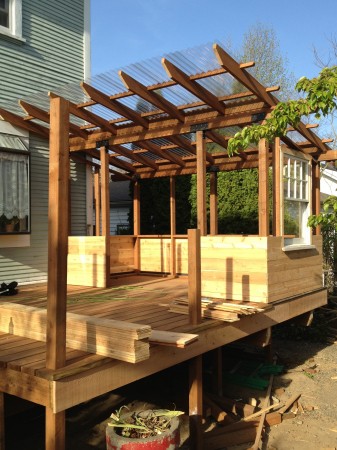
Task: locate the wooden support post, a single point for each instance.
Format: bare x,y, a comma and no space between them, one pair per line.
263,188
194,277
213,204
277,189
2,421
58,222
195,403
136,223
55,430
217,383
97,202
316,199
105,199
201,183
173,268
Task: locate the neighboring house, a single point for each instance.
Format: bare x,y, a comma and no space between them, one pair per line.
43,45
328,182
120,206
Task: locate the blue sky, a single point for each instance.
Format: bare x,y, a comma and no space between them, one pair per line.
129,31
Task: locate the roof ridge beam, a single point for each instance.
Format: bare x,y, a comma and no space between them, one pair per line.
192,86
104,100
152,97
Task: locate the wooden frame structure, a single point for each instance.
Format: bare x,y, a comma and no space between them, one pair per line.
158,140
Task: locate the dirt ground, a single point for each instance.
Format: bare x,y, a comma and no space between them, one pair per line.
309,369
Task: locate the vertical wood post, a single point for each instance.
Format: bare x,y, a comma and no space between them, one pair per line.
201,184
136,223
277,189
58,220
97,190
195,403
316,194
213,204
105,200
263,188
173,268
2,421
194,277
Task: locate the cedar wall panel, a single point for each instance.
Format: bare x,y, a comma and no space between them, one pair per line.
86,261
121,254
155,255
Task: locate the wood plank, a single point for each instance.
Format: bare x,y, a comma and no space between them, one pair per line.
180,340
55,430
58,230
201,184
195,403
263,188
194,277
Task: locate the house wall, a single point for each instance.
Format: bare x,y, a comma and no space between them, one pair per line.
51,53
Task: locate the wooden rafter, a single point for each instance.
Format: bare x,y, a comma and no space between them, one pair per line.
192,86
40,114
132,155
26,125
117,162
153,148
89,116
114,105
151,97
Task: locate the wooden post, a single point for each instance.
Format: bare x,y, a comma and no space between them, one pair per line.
277,189
316,194
263,188
2,421
194,277
213,204
136,223
105,200
201,184
173,268
57,257
195,403
97,202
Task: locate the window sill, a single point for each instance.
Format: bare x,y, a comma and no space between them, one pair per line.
11,37
14,240
296,247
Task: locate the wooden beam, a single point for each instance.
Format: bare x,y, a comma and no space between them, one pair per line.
180,142
192,86
114,105
173,228
263,188
213,204
105,205
57,233
195,403
20,122
134,156
136,223
201,184
277,188
55,430
117,162
316,191
90,117
330,155
151,97
153,148
42,115
194,277
97,195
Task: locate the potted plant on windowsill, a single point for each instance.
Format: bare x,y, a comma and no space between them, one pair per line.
8,225
145,430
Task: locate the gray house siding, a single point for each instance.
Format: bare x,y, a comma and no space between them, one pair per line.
51,56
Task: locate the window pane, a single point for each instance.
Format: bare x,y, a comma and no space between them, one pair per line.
14,192
4,13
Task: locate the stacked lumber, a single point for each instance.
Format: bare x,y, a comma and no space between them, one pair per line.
116,339
228,311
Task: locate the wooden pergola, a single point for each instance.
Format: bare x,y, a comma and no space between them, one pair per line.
156,130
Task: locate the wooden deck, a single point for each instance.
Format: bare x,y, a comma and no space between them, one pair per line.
138,299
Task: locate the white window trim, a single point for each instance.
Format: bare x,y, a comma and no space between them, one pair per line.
15,22
304,243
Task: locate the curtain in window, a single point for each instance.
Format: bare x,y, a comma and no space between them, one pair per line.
14,189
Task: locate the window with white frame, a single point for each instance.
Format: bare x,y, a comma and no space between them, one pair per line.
11,18
296,199
14,188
